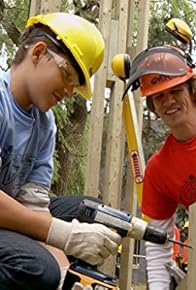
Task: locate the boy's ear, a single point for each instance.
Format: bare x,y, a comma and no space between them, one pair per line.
39,49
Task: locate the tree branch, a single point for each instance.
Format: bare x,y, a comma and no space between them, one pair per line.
7,23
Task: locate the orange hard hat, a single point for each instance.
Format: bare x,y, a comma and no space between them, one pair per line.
159,68
154,83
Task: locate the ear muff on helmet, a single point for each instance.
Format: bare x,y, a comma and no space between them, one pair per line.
127,65
121,64
179,29
186,225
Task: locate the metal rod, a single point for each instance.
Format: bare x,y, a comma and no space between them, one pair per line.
180,243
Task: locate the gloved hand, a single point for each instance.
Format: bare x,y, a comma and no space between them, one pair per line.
79,286
92,243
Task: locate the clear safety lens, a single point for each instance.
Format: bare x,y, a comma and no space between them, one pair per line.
66,69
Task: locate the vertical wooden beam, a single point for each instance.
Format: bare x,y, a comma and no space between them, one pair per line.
189,282
44,6
130,200
183,284
130,205
113,50
130,31
143,25
114,148
97,112
115,139
137,113
133,189
113,168
50,6
192,252
35,7
142,42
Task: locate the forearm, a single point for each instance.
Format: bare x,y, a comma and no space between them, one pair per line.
16,217
92,243
157,256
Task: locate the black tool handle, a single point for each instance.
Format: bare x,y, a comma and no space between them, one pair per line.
155,235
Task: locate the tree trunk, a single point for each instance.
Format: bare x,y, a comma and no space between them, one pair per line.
72,131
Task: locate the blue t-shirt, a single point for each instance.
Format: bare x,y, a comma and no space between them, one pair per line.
27,141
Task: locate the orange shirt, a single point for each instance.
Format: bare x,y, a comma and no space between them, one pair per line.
176,247
170,178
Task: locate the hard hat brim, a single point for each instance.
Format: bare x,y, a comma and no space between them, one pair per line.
85,91
162,82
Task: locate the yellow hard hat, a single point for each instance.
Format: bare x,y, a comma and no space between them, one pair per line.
120,249
81,37
186,225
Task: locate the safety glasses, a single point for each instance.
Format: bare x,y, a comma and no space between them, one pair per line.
65,68
163,60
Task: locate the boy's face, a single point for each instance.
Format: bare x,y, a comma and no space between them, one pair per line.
52,77
175,106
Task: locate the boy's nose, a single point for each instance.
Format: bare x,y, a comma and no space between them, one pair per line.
68,91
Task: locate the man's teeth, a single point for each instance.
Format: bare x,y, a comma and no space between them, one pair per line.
172,111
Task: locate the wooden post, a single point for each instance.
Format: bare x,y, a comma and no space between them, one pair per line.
50,6
189,282
115,139
183,284
192,252
133,188
130,201
142,42
130,205
44,6
97,112
35,7
130,34
137,113
143,25
114,147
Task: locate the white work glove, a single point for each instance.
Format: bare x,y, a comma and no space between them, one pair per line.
92,243
79,286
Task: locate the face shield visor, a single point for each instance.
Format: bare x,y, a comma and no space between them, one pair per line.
161,60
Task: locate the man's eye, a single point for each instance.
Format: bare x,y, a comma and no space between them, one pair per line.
158,96
177,91
64,72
